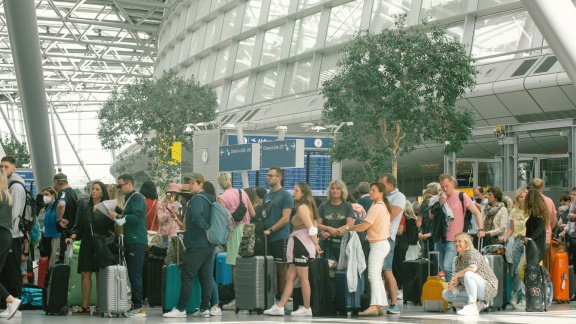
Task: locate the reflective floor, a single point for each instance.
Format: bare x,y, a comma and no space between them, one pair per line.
557,314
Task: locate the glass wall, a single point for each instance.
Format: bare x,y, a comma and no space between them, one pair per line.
305,33
344,22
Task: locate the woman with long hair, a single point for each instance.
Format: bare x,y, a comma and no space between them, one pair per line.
334,213
167,213
377,223
517,229
538,215
89,224
302,248
12,303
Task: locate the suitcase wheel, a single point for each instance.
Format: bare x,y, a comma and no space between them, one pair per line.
260,312
237,310
63,311
405,302
250,312
101,314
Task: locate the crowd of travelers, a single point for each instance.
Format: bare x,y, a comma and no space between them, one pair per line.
298,228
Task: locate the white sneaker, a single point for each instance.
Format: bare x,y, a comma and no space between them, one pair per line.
4,313
215,311
521,305
230,306
301,312
514,298
481,305
12,308
199,313
175,313
469,310
275,311
399,294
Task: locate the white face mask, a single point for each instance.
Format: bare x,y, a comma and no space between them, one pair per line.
47,199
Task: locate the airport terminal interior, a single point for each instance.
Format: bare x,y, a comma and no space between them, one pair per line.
266,60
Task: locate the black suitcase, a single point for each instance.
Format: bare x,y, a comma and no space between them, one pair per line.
414,275
154,264
322,288
55,293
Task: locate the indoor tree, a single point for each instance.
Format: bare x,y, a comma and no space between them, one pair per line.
12,146
154,112
399,87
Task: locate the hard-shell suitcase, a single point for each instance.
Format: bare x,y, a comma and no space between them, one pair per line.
536,292
414,273
42,269
171,284
55,293
113,287
75,285
344,300
223,271
254,288
432,300
498,266
113,291
154,264
560,277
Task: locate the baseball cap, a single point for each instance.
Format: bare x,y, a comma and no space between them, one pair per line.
196,176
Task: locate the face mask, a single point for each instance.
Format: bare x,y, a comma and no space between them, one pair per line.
47,200
478,200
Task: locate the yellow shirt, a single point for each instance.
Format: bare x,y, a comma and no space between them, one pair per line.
519,218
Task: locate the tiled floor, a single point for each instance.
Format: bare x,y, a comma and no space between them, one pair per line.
557,314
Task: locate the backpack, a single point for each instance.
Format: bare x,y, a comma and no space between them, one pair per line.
467,214
220,223
239,213
248,242
29,219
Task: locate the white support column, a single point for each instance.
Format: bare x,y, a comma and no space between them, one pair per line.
556,20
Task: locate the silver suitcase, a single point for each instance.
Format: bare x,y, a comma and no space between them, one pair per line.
113,291
254,283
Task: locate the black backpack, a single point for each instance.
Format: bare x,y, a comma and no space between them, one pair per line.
29,214
411,231
239,213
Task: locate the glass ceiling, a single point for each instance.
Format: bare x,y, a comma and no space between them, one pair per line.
89,48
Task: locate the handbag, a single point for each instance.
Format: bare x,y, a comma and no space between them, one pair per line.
154,237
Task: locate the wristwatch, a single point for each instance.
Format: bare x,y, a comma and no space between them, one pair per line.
271,229
25,253
347,227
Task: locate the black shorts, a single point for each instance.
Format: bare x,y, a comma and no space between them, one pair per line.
301,255
277,249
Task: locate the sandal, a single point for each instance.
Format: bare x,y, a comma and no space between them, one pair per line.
82,310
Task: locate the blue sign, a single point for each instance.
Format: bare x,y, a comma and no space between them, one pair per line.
309,142
283,154
28,177
239,157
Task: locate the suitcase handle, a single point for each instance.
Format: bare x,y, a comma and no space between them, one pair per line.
430,260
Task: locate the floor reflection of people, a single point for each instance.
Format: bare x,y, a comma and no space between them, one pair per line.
522,175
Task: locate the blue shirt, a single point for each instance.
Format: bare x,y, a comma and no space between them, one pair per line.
396,198
50,221
281,200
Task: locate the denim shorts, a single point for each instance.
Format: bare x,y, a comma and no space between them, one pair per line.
390,256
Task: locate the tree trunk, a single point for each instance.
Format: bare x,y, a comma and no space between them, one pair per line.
395,167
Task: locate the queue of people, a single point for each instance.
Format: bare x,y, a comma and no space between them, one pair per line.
298,229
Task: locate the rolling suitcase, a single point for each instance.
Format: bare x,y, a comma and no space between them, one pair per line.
55,293
113,288
171,284
75,285
498,265
223,271
414,274
254,288
154,264
344,300
561,278
42,269
432,300
321,287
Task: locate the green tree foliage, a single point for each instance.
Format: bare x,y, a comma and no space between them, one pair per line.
399,87
17,149
153,113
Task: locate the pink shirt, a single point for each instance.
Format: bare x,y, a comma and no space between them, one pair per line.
457,225
168,225
231,199
552,210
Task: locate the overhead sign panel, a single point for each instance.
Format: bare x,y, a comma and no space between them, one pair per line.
283,154
239,157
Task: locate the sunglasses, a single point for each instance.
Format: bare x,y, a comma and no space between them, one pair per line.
120,185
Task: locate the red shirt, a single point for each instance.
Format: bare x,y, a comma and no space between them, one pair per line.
151,214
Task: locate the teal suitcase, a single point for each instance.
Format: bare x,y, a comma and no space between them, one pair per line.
171,290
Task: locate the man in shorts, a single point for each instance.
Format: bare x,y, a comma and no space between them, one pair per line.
277,222
398,202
